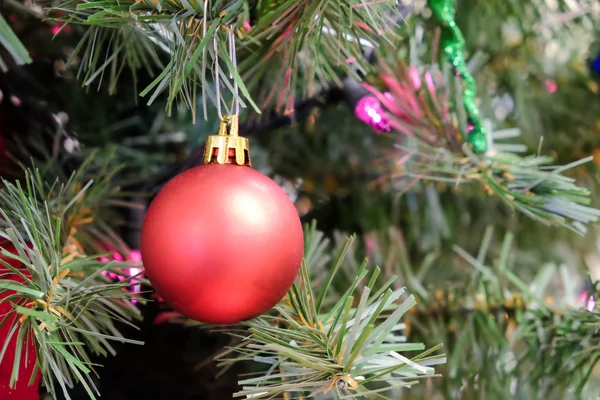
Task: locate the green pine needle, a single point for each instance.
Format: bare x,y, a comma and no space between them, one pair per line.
289,42
63,303
351,349
498,328
12,45
430,147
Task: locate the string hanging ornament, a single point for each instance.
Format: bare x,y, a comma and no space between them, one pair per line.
222,242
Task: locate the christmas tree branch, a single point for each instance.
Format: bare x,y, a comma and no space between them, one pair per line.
84,201
304,42
352,347
498,328
431,147
11,43
571,345
106,53
64,302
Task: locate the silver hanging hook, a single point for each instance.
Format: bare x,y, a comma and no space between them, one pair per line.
217,81
204,22
233,58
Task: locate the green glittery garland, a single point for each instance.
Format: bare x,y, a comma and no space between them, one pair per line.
454,46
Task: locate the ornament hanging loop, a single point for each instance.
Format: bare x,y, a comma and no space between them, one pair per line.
233,58
227,147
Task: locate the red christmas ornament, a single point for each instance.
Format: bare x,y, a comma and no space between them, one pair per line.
22,390
222,242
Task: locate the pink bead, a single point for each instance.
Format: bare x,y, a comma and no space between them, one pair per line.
588,300
591,304
551,86
135,256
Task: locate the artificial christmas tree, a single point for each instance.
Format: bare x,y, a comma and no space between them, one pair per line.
449,142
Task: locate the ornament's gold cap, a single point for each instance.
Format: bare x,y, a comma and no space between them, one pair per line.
227,146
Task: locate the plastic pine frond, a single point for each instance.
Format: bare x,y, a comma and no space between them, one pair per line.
573,343
103,54
548,341
497,327
313,44
353,348
431,147
191,35
317,254
83,201
311,41
12,45
63,300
